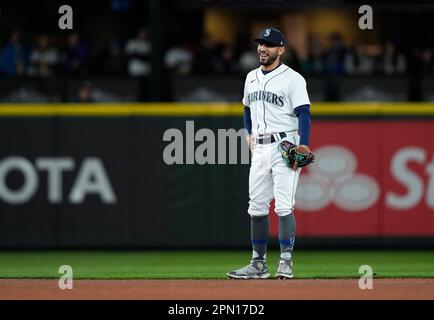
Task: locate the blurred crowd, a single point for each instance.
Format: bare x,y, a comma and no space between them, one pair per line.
76,56
43,57
335,57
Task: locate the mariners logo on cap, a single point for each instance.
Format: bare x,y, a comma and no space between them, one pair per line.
267,32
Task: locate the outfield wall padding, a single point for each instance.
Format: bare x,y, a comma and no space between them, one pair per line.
149,204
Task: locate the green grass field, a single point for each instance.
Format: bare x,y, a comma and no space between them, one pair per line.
209,264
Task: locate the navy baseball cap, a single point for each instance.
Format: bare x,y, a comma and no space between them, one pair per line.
271,36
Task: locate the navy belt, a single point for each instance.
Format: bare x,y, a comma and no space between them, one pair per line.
271,138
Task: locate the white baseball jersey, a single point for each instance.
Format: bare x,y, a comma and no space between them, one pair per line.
272,99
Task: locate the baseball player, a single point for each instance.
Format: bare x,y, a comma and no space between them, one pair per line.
277,122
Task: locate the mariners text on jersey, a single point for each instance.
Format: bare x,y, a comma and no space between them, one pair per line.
272,99
267,96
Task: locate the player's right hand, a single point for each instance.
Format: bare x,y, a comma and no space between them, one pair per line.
251,142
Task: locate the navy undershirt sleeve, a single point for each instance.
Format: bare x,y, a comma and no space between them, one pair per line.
303,115
247,120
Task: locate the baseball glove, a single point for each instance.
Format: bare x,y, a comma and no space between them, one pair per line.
296,156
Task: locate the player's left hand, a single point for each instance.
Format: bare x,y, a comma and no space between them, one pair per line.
296,156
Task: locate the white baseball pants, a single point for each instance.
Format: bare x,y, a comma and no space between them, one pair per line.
270,177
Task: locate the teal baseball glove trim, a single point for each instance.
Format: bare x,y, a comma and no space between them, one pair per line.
296,156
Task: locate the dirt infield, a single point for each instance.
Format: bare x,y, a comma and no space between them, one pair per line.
218,289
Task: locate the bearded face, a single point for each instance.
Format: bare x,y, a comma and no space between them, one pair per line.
267,54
